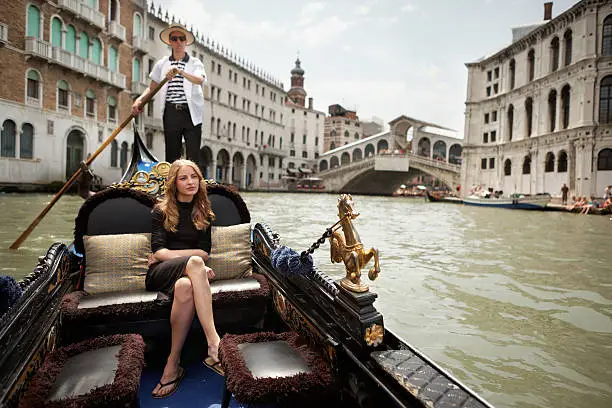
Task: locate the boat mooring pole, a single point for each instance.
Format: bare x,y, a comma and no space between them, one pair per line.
24,235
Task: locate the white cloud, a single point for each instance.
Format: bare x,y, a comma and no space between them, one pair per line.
408,8
309,12
363,10
323,31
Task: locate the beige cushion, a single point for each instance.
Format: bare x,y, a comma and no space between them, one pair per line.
230,255
116,263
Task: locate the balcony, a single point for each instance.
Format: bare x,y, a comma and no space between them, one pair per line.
3,33
152,122
138,87
84,11
139,44
116,30
43,49
272,151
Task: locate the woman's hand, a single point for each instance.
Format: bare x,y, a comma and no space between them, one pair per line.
152,260
209,272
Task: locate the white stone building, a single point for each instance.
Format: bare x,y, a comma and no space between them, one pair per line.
539,111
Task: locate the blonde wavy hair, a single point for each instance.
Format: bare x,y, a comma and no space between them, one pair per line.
202,213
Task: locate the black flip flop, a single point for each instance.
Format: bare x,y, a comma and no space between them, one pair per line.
176,381
215,366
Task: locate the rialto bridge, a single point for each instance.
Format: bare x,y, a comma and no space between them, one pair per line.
379,164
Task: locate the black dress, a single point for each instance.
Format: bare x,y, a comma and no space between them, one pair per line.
162,275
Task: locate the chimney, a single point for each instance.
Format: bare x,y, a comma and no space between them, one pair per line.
548,11
310,103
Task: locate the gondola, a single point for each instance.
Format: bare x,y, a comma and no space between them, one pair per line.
63,345
438,198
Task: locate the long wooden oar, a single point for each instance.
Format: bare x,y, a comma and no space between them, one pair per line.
24,235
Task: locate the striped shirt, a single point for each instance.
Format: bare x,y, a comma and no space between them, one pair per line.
176,93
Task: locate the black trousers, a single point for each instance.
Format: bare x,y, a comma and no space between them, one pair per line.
178,124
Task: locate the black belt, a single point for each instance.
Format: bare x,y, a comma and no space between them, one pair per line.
178,106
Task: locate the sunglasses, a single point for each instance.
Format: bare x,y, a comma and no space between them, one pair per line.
174,38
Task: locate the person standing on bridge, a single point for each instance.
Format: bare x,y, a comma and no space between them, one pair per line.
181,98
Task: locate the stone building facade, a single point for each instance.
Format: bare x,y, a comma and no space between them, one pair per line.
539,111
342,127
72,69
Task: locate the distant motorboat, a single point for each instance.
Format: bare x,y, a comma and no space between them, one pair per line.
515,201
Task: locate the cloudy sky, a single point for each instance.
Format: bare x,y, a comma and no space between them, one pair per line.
383,58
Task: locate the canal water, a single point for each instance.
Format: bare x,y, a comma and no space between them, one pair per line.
516,304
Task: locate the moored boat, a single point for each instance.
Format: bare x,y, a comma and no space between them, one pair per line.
442,198
68,312
515,201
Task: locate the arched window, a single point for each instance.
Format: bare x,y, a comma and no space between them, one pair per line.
369,150
552,110
137,25
549,163
333,133
512,69
84,46
33,21
63,95
606,42
90,103
382,146
346,133
33,86
332,146
567,46
96,51
345,158
604,159
323,165
114,153
562,162
529,116
56,32
26,141
424,147
70,44
357,155
510,121
531,64
356,136
8,139
112,58
112,108
605,100
439,150
527,165
333,162
454,154
554,54
565,106
508,167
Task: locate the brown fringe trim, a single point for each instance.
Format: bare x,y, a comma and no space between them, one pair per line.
231,193
80,223
248,389
250,297
120,393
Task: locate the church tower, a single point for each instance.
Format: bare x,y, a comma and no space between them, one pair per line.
297,94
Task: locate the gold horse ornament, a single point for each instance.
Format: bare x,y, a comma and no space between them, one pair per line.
350,250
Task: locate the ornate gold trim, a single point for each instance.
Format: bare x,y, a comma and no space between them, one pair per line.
374,335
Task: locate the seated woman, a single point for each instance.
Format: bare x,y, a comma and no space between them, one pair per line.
180,242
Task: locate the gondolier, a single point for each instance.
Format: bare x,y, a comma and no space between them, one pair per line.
181,99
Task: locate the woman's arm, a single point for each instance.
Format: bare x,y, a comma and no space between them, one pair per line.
164,254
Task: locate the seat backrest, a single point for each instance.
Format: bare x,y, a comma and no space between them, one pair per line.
228,206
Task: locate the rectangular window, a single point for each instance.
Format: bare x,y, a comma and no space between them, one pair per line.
496,73
495,88
151,64
304,139
292,137
488,91
151,33
62,98
32,88
485,138
483,164
292,153
486,118
492,163
305,155
90,104
493,135
219,69
494,116
212,66
112,113
317,141
489,73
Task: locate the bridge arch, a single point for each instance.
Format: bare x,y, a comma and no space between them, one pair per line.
334,162
345,158
357,155
454,154
369,150
323,165
439,150
382,146
424,147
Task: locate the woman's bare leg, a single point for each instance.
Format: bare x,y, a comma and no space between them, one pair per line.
203,303
181,316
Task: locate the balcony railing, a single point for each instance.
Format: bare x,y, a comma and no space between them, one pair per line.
138,87
84,11
3,32
67,59
116,30
139,43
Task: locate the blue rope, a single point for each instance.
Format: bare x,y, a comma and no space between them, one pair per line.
10,292
287,261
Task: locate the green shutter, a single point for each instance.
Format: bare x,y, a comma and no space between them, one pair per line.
63,85
137,26
71,39
92,4
33,75
56,32
33,21
112,101
136,71
90,94
96,51
112,59
84,46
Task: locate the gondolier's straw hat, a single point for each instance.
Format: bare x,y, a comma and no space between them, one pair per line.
165,34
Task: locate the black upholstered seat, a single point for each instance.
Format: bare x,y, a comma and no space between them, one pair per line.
269,367
104,371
